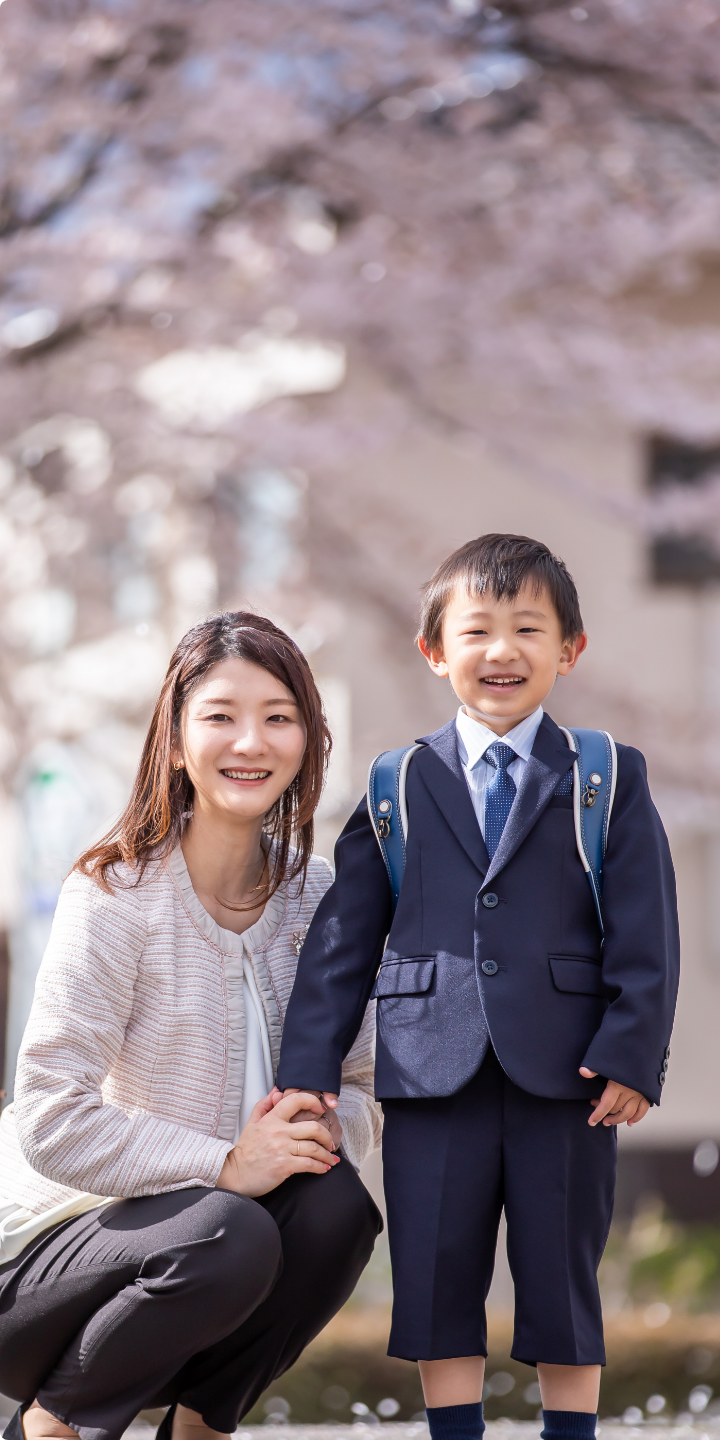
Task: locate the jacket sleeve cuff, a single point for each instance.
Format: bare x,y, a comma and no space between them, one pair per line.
309,1075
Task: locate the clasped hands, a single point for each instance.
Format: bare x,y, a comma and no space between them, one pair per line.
290,1134
617,1103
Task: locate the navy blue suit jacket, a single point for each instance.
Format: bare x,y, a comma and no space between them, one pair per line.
526,971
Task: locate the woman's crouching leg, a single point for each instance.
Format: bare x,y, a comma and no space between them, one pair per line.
198,1264
328,1225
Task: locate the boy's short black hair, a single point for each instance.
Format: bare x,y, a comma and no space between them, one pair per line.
502,564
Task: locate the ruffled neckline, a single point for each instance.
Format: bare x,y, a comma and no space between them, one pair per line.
256,937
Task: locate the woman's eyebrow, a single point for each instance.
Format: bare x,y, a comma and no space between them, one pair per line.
228,700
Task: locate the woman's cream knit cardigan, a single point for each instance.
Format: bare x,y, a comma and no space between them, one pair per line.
122,1069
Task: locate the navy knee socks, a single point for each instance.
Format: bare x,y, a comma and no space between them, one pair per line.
465,1422
568,1425
456,1422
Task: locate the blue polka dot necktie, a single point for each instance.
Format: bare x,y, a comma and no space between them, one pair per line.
499,794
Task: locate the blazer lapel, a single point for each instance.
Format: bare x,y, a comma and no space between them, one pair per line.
550,759
442,773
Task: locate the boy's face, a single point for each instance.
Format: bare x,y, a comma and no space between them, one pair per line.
502,656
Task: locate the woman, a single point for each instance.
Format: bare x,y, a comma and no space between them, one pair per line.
173,1230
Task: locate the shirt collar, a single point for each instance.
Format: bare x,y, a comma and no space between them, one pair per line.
474,737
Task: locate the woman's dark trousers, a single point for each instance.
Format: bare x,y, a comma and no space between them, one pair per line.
198,1296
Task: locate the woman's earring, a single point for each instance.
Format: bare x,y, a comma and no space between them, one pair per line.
178,764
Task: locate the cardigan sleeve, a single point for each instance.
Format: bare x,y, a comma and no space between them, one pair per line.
82,1006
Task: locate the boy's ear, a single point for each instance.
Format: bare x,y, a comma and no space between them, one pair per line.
571,652
435,658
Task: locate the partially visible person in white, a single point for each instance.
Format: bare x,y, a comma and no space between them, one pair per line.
145,1124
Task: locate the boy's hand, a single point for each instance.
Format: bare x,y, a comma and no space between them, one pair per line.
617,1103
329,1118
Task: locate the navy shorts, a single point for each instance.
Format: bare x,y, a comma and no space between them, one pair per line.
451,1165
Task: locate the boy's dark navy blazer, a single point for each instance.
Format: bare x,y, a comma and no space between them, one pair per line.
507,950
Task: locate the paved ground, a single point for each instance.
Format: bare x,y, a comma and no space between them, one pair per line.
698,1429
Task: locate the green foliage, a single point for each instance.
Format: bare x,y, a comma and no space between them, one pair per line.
685,1272
656,1258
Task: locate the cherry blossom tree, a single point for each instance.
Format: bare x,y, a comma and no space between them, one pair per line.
241,243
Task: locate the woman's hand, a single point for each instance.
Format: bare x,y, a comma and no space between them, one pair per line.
272,1147
329,1118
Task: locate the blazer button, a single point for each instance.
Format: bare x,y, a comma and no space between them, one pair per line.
489,967
490,900
662,1077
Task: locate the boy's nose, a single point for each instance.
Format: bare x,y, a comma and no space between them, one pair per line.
502,649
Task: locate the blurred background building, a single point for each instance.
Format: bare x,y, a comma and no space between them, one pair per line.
294,299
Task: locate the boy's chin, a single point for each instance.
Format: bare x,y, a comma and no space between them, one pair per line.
488,702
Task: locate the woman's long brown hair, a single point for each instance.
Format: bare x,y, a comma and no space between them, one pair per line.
162,798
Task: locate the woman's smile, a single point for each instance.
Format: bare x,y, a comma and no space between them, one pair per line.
247,777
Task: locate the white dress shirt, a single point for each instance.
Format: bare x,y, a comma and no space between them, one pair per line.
474,739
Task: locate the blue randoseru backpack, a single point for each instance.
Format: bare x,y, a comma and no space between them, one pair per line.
593,795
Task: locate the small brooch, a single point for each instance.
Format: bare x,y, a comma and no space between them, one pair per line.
298,938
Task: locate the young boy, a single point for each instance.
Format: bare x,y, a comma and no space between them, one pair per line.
510,1041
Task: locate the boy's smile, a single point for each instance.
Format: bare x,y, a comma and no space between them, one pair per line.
502,656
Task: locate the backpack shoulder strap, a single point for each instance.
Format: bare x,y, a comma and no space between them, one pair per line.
593,795
388,810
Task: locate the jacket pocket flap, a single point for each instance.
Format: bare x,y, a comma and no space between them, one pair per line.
580,977
404,977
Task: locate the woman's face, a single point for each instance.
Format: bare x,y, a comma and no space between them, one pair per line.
243,739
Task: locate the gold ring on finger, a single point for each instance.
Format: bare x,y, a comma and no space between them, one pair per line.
297,1145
